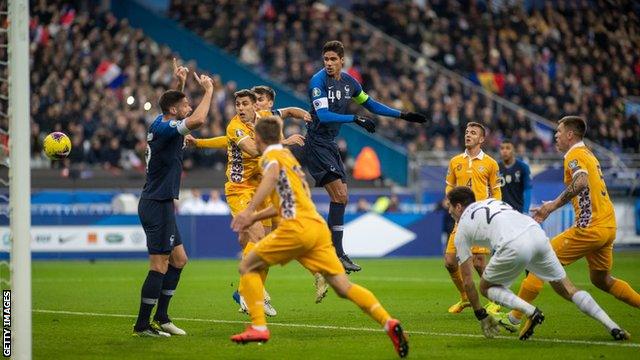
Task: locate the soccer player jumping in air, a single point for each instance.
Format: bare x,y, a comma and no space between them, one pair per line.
331,91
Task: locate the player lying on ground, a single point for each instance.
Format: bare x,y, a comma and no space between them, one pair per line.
302,235
519,243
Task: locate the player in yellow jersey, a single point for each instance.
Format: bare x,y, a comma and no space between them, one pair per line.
265,97
302,235
479,171
594,230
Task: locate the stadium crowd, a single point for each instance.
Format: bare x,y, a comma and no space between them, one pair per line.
528,55
99,79
568,58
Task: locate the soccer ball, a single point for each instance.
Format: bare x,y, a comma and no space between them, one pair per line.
57,145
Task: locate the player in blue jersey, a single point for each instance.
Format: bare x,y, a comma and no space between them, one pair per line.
167,256
516,179
331,91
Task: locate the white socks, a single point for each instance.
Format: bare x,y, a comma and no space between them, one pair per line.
505,297
587,305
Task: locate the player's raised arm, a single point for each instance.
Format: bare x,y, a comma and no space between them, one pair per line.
294,112
218,142
180,72
199,115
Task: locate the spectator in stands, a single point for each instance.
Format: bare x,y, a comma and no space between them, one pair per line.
193,205
363,205
215,205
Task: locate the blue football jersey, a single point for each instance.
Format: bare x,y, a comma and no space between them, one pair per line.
326,92
165,141
516,179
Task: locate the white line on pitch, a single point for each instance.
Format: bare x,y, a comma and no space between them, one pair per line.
331,327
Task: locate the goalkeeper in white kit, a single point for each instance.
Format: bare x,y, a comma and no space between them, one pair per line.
518,243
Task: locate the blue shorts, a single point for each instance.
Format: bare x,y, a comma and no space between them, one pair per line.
323,161
158,219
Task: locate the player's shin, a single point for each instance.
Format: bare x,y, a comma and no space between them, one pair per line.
368,303
169,285
624,292
529,290
149,297
504,296
252,289
589,306
336,224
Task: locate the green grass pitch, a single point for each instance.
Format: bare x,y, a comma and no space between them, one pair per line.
86,310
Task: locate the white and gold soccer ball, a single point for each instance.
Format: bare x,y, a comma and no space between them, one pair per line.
57,145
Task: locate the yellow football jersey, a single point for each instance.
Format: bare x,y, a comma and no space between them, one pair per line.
242,168
592,206
291,197
480,173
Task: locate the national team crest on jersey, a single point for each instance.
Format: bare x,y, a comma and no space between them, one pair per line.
573,164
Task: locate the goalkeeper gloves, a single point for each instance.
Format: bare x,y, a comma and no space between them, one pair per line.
367,124
488,324
413,117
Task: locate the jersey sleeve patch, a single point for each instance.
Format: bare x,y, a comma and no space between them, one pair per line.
322,103
315,92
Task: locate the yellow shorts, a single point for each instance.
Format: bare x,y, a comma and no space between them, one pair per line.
308,241
451,247
238,198
595,243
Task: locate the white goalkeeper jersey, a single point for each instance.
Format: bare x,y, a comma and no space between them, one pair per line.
489,223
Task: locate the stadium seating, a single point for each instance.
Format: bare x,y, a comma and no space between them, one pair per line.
531,70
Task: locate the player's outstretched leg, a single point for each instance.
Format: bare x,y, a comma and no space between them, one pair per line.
370,305
616,287
589,306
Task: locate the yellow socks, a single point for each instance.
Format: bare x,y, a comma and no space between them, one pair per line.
529,290
252,289
624,292
456,277
368,303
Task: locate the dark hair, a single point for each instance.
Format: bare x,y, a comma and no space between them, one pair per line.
509,142
170,98
335,46
245,93
269,129
575,124
478,125
461,195
264,90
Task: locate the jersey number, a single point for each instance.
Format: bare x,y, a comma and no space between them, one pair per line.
332,95
488,213
469,183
